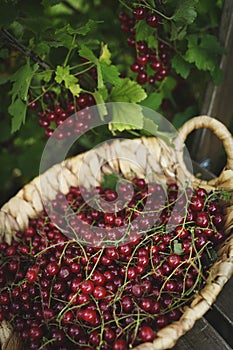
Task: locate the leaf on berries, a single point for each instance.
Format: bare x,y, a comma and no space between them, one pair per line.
177,248
21,82
105,54
181,66
185,12
128,91
62,74
110,73
74,89
204,51
88,54
153,100
126,117
110,181
143,31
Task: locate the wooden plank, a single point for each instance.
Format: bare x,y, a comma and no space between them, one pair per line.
202,337
206,149
220,316
224,303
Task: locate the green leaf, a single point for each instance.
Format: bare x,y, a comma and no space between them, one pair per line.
185,11
181,117
204,51
217,75
110,181
21,82
45,75
128,91
63,38
153,100
143,31
71,82
181,66
178,32
105,54
110,74
42,49
126,116
18,110
74,89
177,249
83,30
100,101
88,54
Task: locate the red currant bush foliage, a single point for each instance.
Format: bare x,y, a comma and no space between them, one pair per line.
61,292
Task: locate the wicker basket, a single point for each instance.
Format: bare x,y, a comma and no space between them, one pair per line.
27,203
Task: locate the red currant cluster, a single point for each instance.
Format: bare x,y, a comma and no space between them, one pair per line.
56,113
151,65
60,294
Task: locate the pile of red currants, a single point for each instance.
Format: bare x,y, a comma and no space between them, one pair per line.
65,285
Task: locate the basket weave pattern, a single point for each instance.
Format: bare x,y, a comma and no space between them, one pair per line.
166,163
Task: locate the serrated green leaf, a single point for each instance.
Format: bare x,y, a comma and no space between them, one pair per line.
185,11
62,74
84,29
143,31
63,38
110,73
178,32
126,116
42,49
88,54
45,75
18,110
203,51
75,89
153,100
21,82
128,91
181,66
105,54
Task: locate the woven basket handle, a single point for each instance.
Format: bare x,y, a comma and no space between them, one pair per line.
219,129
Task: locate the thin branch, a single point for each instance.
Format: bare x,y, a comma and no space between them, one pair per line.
25,50
71,7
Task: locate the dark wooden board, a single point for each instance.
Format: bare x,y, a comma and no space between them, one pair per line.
202,337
